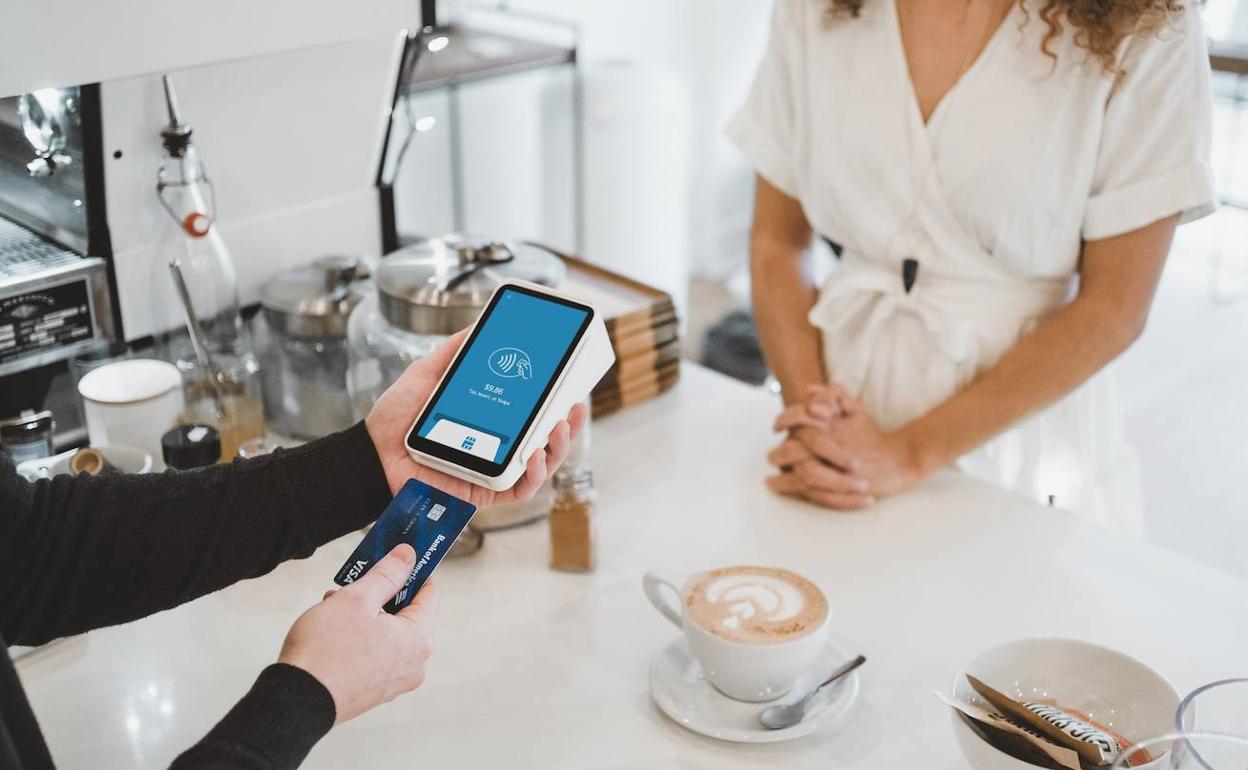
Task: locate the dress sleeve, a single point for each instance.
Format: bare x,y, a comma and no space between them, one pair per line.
763,129
1154,153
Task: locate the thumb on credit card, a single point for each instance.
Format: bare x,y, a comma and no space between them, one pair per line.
383,581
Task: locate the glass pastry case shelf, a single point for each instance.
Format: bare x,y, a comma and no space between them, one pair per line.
457,54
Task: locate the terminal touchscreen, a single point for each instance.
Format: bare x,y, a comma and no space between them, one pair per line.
485,416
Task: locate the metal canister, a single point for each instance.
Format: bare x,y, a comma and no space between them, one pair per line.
28,436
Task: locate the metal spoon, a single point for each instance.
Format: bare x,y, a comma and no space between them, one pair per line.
478,259
780,717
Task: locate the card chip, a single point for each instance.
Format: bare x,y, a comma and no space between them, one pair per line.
436,511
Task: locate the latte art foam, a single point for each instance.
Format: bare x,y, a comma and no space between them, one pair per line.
760,598
755,604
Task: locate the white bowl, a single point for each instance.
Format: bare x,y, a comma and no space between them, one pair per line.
1114,689
124,458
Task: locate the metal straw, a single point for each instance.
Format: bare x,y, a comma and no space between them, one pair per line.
171,103
197,337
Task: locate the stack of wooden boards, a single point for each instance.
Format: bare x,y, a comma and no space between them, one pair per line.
644,331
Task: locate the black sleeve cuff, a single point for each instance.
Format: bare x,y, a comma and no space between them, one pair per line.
338,482
273,727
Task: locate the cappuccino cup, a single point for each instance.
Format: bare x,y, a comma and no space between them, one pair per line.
753,630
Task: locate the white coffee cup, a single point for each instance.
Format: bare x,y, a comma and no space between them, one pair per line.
744,671
132,403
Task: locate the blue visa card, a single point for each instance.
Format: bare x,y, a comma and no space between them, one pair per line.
425,518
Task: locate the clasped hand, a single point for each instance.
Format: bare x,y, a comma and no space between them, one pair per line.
835,455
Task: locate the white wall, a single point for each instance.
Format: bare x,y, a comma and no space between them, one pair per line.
1227,20
59,43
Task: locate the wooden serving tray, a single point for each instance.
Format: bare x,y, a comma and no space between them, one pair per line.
644,330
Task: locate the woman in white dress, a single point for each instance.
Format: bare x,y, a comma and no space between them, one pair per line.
1004,179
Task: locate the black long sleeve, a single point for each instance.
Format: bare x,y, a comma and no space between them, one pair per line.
78,553
273,727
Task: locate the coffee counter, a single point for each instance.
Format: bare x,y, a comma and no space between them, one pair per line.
538,669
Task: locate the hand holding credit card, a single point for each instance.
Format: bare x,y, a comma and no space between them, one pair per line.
364,657
422,516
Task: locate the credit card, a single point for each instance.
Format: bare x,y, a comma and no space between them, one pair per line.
422,516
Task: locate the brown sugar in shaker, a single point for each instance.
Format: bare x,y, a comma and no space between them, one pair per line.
572,533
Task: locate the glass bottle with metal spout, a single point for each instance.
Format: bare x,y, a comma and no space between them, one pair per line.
195,291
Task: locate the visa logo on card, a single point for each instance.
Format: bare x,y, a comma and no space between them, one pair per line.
424,517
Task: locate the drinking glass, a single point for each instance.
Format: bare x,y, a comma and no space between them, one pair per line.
256,447
1220,707
98,354
1189,751
102,352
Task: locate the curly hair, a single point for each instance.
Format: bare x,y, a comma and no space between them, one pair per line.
1099,25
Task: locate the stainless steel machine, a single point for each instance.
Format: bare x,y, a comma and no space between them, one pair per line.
291,103
54,292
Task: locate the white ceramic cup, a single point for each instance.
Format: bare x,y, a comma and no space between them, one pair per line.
741,670
132,403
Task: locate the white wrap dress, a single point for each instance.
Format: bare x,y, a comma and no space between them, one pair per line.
1024,159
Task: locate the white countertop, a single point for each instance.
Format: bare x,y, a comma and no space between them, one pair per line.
540,669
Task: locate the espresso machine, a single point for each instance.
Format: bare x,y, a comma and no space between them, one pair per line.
291,103
55,297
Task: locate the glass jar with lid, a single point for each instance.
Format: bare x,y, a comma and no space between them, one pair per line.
426,292
302,337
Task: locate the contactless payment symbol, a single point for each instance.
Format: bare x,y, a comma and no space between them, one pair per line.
511,362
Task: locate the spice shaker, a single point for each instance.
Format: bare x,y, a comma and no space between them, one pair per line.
573,539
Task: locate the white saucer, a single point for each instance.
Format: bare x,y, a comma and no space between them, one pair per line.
683,693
